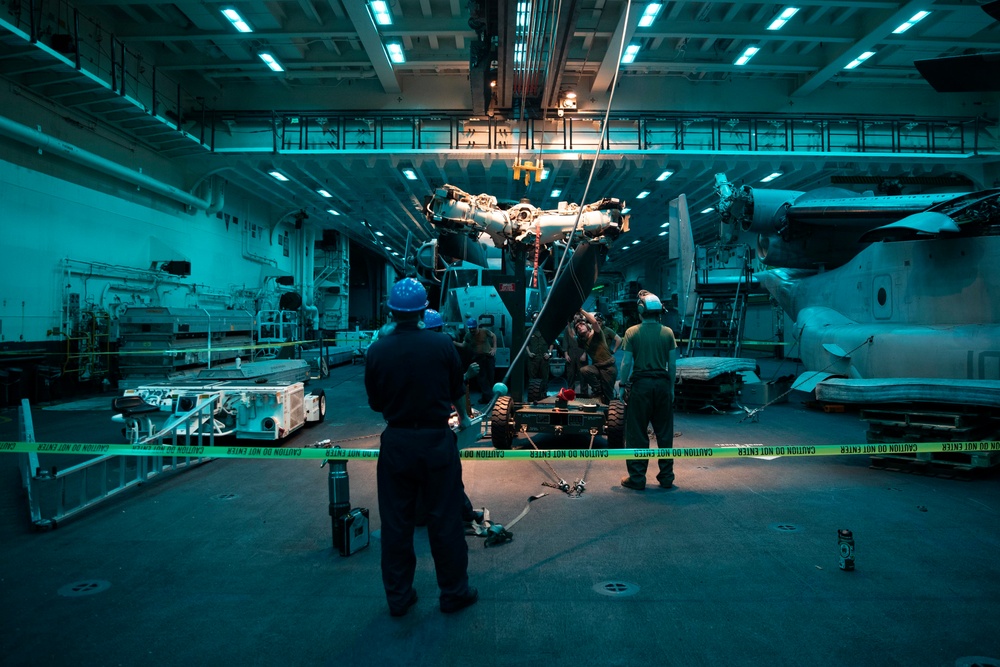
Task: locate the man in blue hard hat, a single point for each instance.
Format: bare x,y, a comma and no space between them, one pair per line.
413,377
649,363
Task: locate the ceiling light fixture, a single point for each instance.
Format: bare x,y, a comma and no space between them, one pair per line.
332,212
380,10
860,59
324,193
274,173
234,17
916,18
642,195
271,61
664,225
556,193
664,176
708,210
649,14
410,174
770,177
663,233
379,234
747,54
631,51
395,50
783,17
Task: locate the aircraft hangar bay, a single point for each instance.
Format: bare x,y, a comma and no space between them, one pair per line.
205,207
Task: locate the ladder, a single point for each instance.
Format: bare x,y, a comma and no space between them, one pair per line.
722,291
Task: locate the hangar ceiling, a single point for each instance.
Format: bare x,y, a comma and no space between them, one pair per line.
484,84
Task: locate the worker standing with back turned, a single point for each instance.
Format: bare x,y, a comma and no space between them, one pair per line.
649,363
413,377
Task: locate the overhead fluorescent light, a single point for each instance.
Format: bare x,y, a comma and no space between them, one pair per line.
708,210
324,193
747,54
379,234
649,14
410,174
271,61
395,50
380,10
770,177
665,225
909,24
636,241
664,176
860,59
782,19
545,173
234,17
556,193
631,51
274,173
642,195
332,212
663,233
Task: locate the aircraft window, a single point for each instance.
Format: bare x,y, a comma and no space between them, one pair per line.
881,296
466,278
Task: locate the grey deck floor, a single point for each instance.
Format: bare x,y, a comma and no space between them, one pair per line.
231,563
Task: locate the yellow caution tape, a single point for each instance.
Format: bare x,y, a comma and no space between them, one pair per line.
310,453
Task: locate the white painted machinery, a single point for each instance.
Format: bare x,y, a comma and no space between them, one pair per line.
246,409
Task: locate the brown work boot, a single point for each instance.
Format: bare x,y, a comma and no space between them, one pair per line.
635,486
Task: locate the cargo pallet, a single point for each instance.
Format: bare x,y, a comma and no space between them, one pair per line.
719,393
929,467
896,424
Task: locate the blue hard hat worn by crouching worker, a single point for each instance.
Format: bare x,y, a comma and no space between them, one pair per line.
432,319
407,296
471,323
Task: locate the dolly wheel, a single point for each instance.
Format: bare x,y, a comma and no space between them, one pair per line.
615,425
502,423
536,390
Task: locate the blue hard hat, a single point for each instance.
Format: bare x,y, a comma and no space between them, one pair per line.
471,323
432,319
407,296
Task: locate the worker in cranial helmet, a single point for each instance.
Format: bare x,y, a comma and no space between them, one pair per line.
614,340
483,343
649,363
539,351
413,377
600,374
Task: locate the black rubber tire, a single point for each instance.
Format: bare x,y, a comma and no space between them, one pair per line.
615,425
502,423
536,390
322,405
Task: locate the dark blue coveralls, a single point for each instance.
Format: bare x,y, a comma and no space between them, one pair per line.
413,376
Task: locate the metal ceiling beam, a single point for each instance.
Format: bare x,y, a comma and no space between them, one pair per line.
559,51
873,35
371,40
627,24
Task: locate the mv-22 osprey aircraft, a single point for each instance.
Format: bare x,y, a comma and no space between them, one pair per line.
895,299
